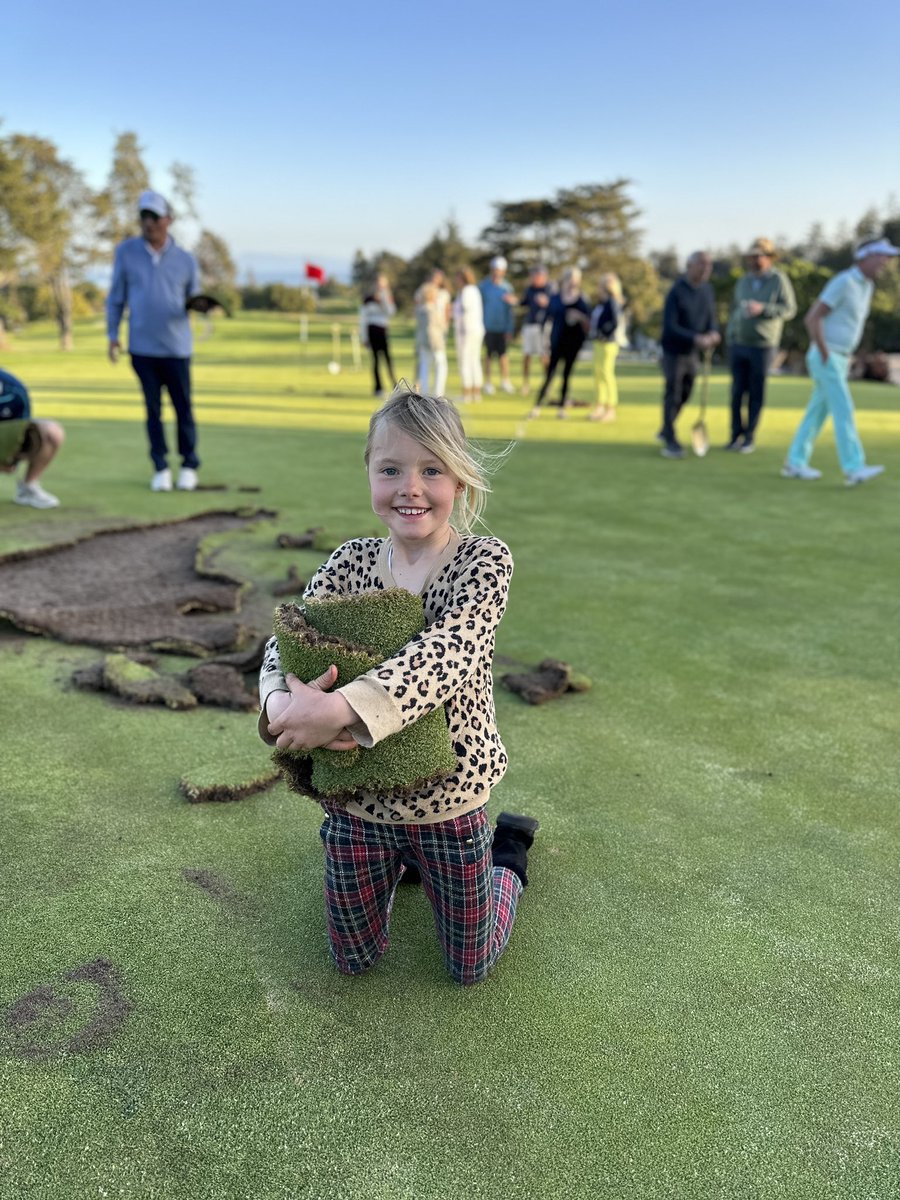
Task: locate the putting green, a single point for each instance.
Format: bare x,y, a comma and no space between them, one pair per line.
700,997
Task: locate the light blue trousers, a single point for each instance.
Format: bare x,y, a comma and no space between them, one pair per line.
831,396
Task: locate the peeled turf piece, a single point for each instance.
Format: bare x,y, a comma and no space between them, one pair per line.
356,633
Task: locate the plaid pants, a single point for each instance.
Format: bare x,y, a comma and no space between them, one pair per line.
474,902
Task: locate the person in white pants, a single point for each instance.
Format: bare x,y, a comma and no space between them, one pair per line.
468,324
431,340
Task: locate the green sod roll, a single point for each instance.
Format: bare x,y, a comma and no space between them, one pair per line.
356,633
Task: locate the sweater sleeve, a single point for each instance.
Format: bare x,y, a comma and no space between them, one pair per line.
438,662
783,304
116,298
510,316
194,282
329,580
672,318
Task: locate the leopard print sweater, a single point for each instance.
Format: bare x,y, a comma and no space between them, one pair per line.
449,663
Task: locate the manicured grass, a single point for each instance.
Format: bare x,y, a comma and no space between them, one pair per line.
700,998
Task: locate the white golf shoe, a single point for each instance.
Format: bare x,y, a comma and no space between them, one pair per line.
34,496
790,471
161,481
187,479
863,475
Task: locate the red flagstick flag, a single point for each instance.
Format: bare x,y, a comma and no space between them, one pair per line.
315,273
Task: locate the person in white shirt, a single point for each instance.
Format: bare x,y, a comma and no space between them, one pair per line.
468,324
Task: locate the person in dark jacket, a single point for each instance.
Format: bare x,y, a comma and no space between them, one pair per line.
570,317
689,328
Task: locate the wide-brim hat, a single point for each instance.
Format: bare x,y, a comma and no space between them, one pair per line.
764,246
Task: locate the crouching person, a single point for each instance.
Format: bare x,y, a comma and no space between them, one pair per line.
23,439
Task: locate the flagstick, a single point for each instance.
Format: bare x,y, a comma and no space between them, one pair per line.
304,333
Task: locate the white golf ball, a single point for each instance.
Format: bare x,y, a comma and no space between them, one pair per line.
334,367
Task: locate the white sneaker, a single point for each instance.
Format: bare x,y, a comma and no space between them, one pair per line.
187,479
507,387
489,389
862,475
34,496
789,471
161,481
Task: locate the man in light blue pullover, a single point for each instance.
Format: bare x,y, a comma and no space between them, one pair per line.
154,278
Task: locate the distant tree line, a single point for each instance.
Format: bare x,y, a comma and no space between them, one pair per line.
55,231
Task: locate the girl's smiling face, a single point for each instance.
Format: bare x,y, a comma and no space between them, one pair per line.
413,492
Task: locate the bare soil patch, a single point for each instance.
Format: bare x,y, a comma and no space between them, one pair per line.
214,885
38,1024
145,586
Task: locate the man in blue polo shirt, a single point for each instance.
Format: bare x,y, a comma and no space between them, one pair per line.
835,323
154,278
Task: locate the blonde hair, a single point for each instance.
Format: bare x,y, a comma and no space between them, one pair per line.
467,274
434,423
426,294
612,285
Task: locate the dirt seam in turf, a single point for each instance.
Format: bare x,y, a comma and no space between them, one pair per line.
36,551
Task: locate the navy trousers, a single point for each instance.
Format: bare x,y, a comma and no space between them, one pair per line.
679,371
749,368
173,374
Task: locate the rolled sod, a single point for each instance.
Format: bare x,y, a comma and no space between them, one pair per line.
356,633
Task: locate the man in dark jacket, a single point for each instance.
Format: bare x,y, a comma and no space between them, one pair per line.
689,327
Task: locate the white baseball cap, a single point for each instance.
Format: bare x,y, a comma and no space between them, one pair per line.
880,246
155,203
498,263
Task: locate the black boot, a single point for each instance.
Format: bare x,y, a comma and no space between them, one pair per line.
513,838
410,871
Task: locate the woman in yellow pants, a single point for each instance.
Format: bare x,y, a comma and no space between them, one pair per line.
607,334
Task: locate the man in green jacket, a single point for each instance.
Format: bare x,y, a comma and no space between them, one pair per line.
763,300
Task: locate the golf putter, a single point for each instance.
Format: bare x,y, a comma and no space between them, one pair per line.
699,434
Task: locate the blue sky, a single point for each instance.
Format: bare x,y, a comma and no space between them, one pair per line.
314,130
